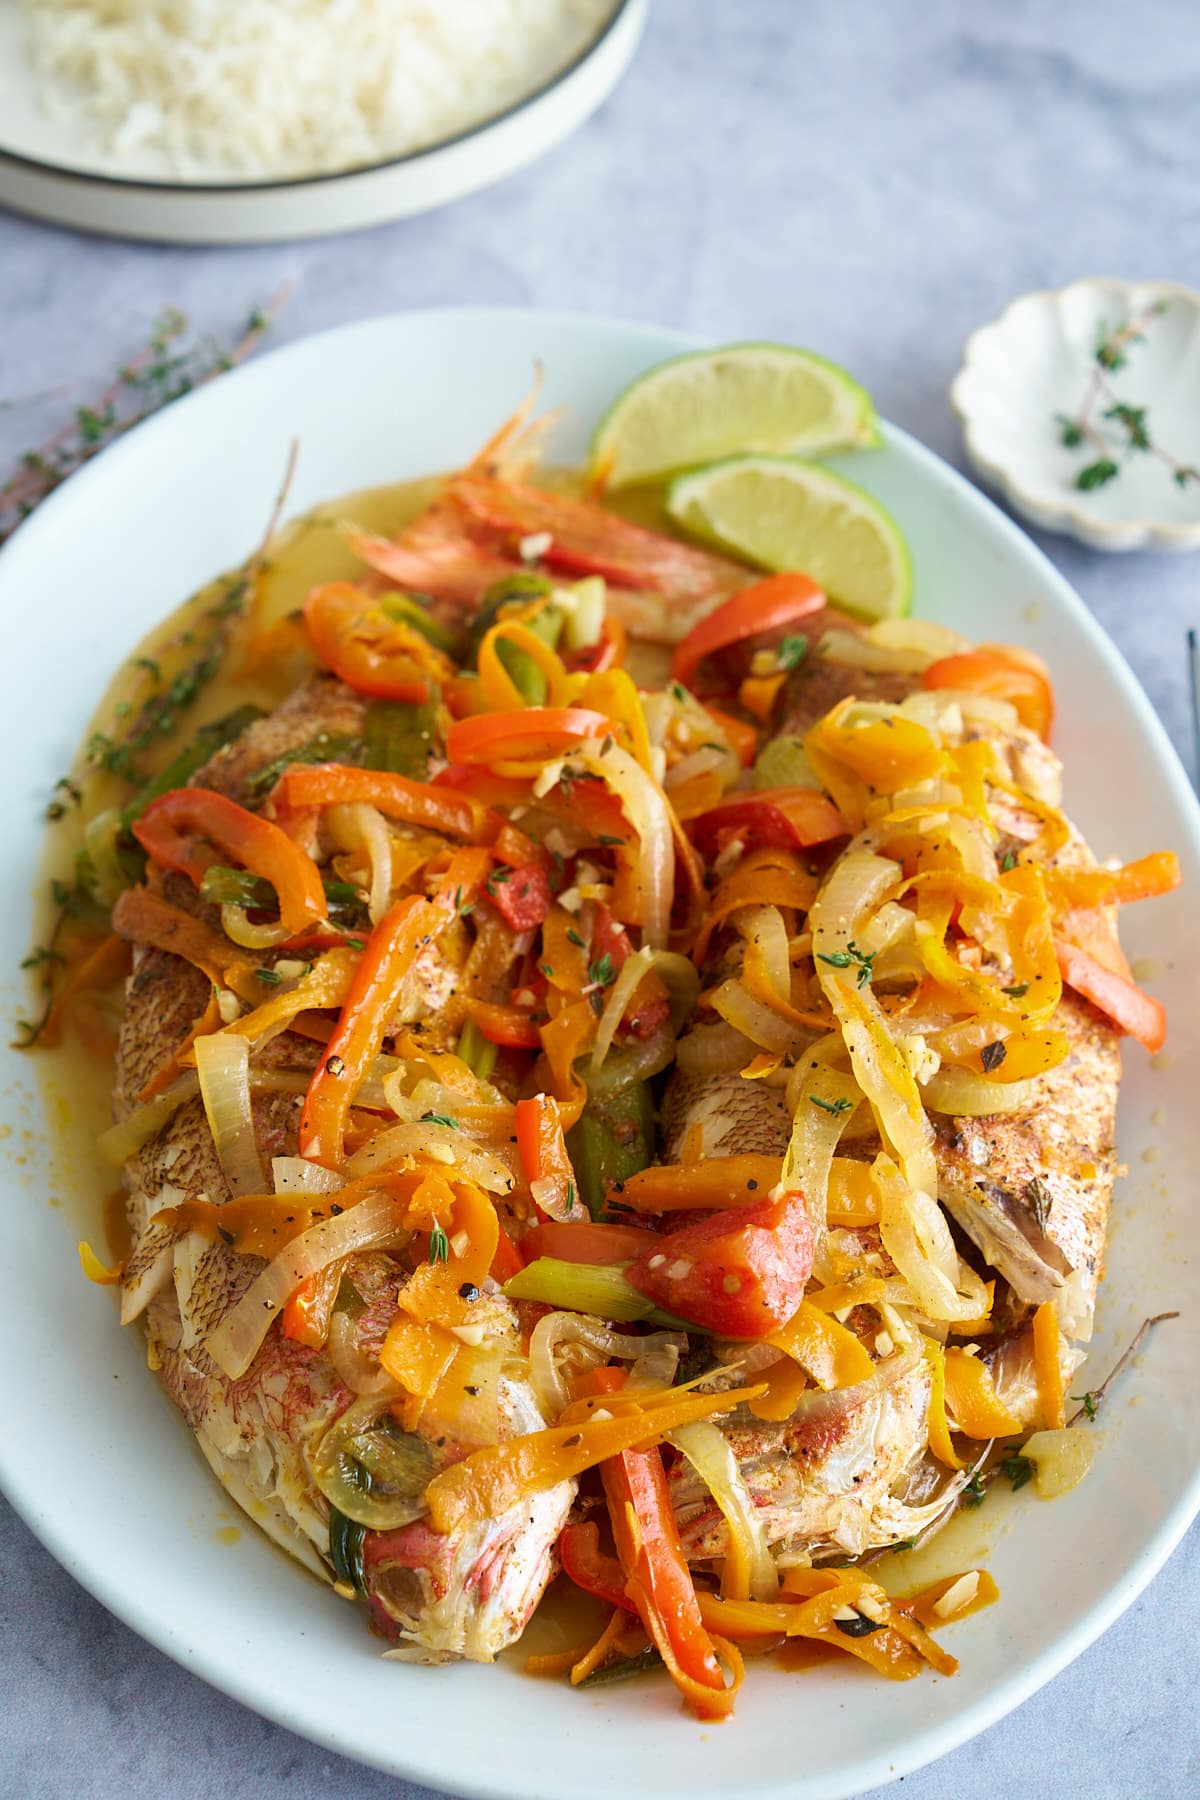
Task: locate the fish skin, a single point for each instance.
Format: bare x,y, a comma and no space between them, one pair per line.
829,1478
259,1432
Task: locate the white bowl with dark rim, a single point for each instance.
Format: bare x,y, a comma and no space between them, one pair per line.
49,168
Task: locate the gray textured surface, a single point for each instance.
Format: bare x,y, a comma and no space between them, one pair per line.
874,177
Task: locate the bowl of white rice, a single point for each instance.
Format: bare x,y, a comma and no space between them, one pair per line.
249,120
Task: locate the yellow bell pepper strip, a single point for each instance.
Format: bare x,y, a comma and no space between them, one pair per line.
785,1382
418,1356
1146,879
887,754
769,605
719,1181
265,1224
601,1650
144,917
185,829
614,694
853,1198
1031,941
758,694
452,813
543,1153
490,1480
1131,1009
867,1292
564,1039
94,1269
468,1220
972,1400
847,1591
1047,1367
375,992
827,1351
500,690
939,1429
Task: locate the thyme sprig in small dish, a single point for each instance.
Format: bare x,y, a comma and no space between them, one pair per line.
1083,407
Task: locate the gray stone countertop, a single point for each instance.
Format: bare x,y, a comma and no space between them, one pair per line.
874,178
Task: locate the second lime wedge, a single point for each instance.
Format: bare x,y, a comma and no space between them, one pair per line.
695,409
784,513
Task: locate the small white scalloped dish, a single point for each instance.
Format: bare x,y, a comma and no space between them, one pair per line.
1032,367
143,1524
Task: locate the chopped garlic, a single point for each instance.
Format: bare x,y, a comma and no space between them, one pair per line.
228,1006
291,969
883,1344
680,1269
442,1153
571,898
958,1597
471,1335
535,545
460,1243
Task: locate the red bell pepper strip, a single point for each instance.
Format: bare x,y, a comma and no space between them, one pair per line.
1130,1009
657,1578
589,1567
369,1008
740,1273
455,815
508,1260
534,733
353,636
543,1152
585,1242
784,818
1006,674
305,1318
189,829
769,605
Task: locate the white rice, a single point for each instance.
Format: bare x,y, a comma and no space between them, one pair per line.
265,88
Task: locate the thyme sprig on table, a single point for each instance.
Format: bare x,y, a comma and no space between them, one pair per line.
1118,426
167,368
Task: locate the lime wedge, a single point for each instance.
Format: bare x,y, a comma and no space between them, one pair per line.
694,409
783,513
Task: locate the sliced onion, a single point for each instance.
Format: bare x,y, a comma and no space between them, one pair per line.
934,640
399,1466
1061,1459
362,827
915,1234
357,1371
783,763
711,1455
701,762
753,1018
582,604
645,808
235,1342
593,1344
825,1101
970,1096
125,1139
679,976
859,884
431,1142
236,925
713,1050
223,1066
296,1175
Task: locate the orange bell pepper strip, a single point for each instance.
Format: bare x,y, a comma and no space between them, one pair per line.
1007,674
1146,879
1048,1367
741,736
305,1317
589,1567
543,1152
769,605
971,1397
490,1480
508,1260
584,1242
826,1350
789,818
507,1026
1131,1010
535,734
353,635
454,815
718,1181
96,969
656,1576
375,991
189,829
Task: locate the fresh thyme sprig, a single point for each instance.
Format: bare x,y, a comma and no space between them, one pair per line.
1127,428
165,370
